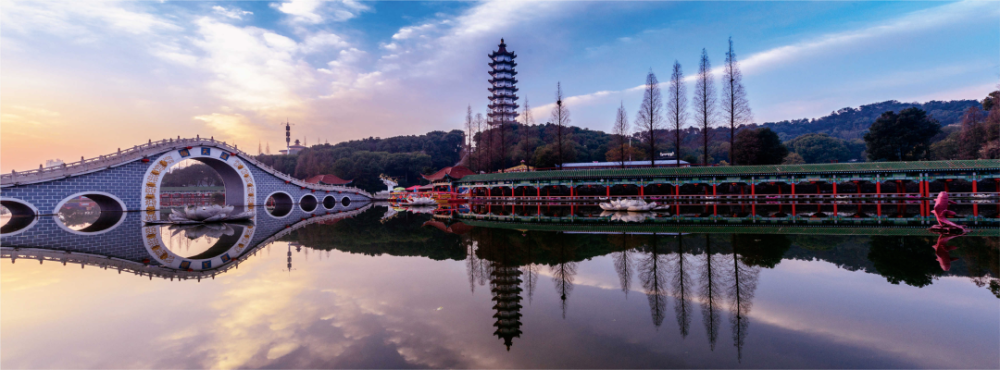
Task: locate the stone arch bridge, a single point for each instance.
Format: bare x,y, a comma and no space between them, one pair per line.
130,179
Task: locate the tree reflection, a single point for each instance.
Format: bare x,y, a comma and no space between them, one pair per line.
651,275
741,290
682,286
530,269
623,263
563,273
710,291
904,259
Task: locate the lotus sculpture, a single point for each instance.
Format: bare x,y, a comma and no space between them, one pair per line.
206,214
420,201
195,231
631,205
626,216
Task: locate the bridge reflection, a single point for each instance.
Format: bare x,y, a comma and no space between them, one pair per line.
137,248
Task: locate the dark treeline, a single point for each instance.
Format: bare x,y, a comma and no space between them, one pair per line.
851,123
537,146
197,174
402,157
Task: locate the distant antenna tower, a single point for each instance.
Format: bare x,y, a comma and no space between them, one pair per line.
288,135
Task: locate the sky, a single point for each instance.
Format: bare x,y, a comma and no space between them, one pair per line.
85,78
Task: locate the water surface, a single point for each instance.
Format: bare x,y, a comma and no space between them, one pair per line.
377,290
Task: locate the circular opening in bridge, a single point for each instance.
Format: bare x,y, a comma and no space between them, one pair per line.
346,201
16,216
90,213
191,183
329,202
308,203
279,204
202,241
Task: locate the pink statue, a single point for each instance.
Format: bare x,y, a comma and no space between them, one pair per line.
941,213
941,250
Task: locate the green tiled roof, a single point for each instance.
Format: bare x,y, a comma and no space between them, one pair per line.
978,164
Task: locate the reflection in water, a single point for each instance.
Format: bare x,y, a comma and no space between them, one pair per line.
651,275
623,262
718,271
741,290
79,213
563,273
682,286
710,291
941,249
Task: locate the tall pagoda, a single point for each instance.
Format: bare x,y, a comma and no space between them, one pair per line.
505,281
503,101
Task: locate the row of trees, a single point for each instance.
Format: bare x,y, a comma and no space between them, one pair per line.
734,110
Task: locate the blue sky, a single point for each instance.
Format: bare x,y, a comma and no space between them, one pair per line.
89,77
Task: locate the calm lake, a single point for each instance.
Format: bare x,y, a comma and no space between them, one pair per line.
372,287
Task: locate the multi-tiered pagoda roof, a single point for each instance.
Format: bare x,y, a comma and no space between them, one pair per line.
506,288
503,101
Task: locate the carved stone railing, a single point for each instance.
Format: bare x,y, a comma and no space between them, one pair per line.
139,152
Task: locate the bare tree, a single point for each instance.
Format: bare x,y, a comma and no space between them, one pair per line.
478,122
677,107
704,102
734,98
528,136
620,133
489,143
468,136
561,117
650,114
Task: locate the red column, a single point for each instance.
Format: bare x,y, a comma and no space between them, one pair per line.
753,190
975,206
642,191
714,193
834,188
608,191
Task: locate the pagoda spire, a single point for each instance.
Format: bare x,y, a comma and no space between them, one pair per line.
503,100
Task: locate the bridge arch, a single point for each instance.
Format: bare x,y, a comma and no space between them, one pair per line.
225,250
282,204
308,202
113,212
24,215
329,202
237,179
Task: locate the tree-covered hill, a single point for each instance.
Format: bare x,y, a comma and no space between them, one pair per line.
851,123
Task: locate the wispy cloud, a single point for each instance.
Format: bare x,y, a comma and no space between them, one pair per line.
759,62
234,13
